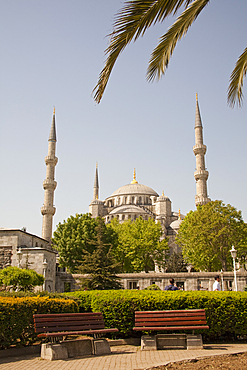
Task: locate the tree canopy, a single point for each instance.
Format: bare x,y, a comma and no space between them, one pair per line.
22,279
100,265
207,235
139,246
133,20
74,238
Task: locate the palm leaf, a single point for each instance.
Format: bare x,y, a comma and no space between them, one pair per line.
162,53
131,22
235,91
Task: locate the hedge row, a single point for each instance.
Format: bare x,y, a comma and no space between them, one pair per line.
16,317
226,311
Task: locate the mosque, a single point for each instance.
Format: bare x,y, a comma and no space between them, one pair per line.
136,200
19,248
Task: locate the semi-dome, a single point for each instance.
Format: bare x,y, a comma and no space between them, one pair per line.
135,189
128,208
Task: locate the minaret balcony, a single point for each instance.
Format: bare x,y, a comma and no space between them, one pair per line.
51,160
49,184
201,175
199,149
48,210
200,199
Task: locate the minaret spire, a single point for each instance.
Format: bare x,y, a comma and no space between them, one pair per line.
201,175
96,184
49,184
134,178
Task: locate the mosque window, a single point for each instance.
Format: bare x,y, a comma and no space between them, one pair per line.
135,217
125,200
123,217
133,199
117,217
140,200
129,216
118,201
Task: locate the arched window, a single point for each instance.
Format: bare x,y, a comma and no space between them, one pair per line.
140,200
123,217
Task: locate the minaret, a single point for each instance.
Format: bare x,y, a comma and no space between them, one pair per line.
96,207
96,184
49,185
201,175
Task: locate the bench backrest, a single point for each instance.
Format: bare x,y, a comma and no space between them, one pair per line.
170,318
47,323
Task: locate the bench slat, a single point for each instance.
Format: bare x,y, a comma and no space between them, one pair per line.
68,323
174,323
170,319
155,328
69,328
82,332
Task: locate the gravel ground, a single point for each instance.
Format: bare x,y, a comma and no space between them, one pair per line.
223,362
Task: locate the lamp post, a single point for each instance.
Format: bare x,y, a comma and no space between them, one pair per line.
44,271
19,253
234,255
222,280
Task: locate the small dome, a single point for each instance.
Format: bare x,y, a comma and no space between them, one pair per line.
176,224
135,189
97,201
162,198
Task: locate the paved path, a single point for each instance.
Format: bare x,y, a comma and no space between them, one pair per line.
122,358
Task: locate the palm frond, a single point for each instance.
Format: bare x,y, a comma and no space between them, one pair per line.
162,53
131,22
235,91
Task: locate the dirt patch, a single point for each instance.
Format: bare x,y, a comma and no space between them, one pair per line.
222,362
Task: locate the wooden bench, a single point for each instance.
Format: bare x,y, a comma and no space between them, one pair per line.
55,326
170,320
153,321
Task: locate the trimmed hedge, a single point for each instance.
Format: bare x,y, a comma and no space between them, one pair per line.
16,317
226,311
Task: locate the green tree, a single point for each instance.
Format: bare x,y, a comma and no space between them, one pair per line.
207,235
22,279
73,238
100,265
133,20
139,246
176,263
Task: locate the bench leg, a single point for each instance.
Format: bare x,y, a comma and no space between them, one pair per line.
148,343
101,347
194,341
52,352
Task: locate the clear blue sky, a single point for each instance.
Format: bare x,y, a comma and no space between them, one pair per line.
52,52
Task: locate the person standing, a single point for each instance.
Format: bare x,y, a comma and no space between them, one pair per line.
216,286
171,286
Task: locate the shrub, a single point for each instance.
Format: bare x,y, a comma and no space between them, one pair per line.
16,317
153,287
226,312
20,278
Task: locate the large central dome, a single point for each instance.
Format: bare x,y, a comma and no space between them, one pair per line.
135,189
